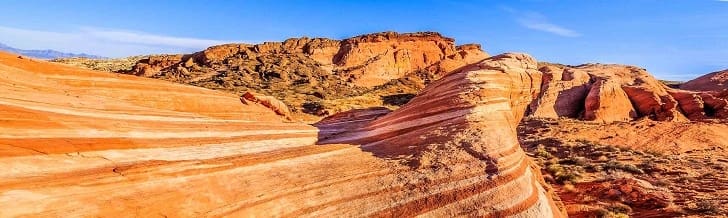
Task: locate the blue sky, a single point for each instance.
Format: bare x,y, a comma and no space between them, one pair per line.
673,39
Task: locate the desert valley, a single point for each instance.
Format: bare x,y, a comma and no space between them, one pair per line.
383,124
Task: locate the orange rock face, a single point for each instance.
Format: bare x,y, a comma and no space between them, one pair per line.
365,61
608,93
716,81
85,143
562,93
320,76
607,102
466,120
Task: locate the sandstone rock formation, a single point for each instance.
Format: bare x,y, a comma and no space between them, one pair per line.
86,143
274,104
607,102
319,77
303,71
716,81
466,120
608,93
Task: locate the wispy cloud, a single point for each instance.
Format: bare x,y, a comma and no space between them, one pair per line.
132,37
105,42
536,21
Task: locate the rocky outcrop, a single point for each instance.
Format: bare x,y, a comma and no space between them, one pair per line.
466,120
85,143
653,105
270,102
715,81
701,105
609,93
607,102
563,93
303,71
633,192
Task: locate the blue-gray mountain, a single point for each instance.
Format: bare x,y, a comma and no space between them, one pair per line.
44,54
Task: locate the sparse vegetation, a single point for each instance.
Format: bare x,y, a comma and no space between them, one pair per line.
578,161
541,152
603,213
614,165
649,166
573,166
707,207
563,174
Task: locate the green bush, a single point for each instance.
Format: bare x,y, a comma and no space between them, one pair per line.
614,165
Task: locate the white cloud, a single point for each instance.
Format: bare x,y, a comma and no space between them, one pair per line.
104,42
536,21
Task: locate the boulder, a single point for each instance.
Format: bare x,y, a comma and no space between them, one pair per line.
607,102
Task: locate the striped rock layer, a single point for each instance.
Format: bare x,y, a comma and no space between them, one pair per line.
84,143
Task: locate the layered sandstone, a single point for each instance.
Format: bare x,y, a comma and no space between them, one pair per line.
86,143
466,120
608,93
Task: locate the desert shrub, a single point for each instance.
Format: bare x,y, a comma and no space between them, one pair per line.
603,213
707,207
397,99
619,208
571,177
615,210
312,107
541,152
579,161
614,165
649,166
593,167
563,175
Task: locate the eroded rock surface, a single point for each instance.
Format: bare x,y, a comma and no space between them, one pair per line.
85,143
716,81
332,73
608,93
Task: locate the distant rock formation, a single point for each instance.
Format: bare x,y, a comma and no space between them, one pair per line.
105,64
304,70
715,81
318,77
44,54
609,93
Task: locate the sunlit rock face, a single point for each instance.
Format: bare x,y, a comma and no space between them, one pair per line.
85,143
609,93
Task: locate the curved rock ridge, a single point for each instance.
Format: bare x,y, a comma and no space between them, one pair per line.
85,143
715,81
314,70
466,120
609,93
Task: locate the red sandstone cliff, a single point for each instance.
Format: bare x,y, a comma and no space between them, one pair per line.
608,93
307,73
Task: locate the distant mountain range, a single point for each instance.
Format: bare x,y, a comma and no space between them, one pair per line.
45,54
